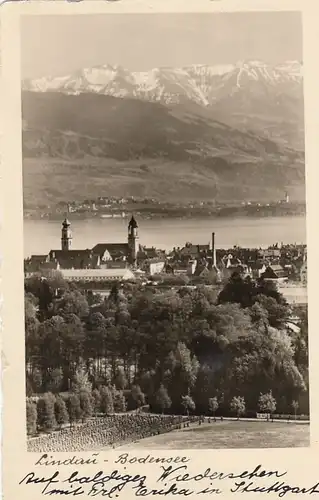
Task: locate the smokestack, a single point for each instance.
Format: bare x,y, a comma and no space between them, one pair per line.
213,249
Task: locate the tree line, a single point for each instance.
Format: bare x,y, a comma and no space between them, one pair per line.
181,348
50,411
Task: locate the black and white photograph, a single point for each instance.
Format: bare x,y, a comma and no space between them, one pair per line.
164,219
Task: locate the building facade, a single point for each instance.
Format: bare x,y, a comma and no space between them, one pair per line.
103,256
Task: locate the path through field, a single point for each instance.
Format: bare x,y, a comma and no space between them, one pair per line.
230,434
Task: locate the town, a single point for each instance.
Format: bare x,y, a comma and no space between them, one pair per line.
194,264
119,207
165,255
127,341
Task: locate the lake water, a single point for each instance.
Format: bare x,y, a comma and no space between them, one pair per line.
40,236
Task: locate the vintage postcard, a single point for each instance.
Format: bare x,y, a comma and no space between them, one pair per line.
158,186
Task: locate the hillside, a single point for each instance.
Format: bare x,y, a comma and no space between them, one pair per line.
139,148
72,126
251,94
228,132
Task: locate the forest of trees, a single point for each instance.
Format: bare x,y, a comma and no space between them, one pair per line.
178,351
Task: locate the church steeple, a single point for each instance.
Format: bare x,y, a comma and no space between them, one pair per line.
133,239
133,223
66,235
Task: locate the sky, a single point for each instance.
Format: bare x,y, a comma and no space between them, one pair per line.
59,45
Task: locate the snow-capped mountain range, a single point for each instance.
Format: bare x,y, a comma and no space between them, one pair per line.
203,84
228,131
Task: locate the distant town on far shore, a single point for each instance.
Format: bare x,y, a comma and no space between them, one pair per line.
114,207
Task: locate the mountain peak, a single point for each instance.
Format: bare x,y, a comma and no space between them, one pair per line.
200,83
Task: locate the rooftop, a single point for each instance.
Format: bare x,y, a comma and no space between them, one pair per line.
101,248
70,253
97,273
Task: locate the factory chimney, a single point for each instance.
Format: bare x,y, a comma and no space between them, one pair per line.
213,249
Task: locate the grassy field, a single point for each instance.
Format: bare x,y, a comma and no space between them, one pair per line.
230,434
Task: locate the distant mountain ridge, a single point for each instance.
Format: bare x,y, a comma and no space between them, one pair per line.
127,129
203,84
250,95
231,130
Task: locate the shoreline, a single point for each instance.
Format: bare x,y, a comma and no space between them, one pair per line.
41,235
82,217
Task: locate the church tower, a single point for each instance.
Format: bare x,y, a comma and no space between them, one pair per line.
133,240
66,235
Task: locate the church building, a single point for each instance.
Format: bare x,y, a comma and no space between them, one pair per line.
101,256
120,251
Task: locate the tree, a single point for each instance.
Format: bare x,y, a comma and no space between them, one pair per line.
60,346
40,288
107,405
267,403
55,380
181,341
95,341
205,387
119,402
295,406
61,412
188,404
277,312
86,404
72,302
120,379
115,294
238,406
32,416
72,337
31,326
45,411
30,305
213,405
96,397
259,316
188,364
138,396
36,380
81,381
269,289
74,408
162,399
184,369
244,291
260,362
238,290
